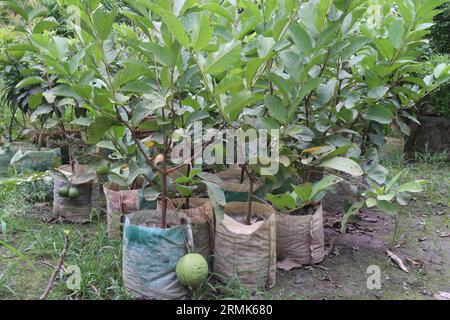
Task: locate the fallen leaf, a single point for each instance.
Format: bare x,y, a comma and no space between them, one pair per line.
367,219
415,262
397,260
445,234
442,296
422,239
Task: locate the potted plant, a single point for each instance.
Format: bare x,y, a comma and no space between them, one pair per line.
300,235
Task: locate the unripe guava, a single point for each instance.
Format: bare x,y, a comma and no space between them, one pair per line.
73,193
64,191
192,269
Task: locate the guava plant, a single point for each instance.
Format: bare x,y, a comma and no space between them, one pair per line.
331,75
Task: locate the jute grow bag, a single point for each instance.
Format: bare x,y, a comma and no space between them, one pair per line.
98,196
73,210
300,239
201,215
248,251
150,255
120,203
36,160
235,190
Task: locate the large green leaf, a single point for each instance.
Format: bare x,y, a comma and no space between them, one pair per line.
103,22
324,184
301,38
29,81
396,32
128,74
237,104
203,32
214,7
304,192
378,114
45,25
220,61
343,164
276,108
175,27
97,129
413,186
282,202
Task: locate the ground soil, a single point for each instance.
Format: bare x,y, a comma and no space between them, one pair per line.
343,273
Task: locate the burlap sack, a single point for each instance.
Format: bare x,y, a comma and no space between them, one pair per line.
73,210
118,204
201,215
248,251
300,239
98,197
235,190
150,255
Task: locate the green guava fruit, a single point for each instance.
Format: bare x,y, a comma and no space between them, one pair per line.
64,191
73,193
102,170
192,269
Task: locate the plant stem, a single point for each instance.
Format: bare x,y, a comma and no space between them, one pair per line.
250,199
241,180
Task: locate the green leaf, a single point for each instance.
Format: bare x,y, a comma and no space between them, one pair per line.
161,54
214,7
22,48
128,74
185,191
396,32
45,25
377,173
351,212
371,202
413,186
387,207
151,103
175,27
343,164
232,83
237,104
378,92
378,114
251,69
97,129
220,61
301,38
29,81
202,33
393,181
282,202
215,193
103,22
276,108
304,192
324,184
81,121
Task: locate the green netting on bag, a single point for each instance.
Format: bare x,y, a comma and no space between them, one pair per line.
30,161
150,255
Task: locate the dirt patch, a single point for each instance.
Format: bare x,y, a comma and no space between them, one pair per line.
343,273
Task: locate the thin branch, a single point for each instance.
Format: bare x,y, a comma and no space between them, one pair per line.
58,267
